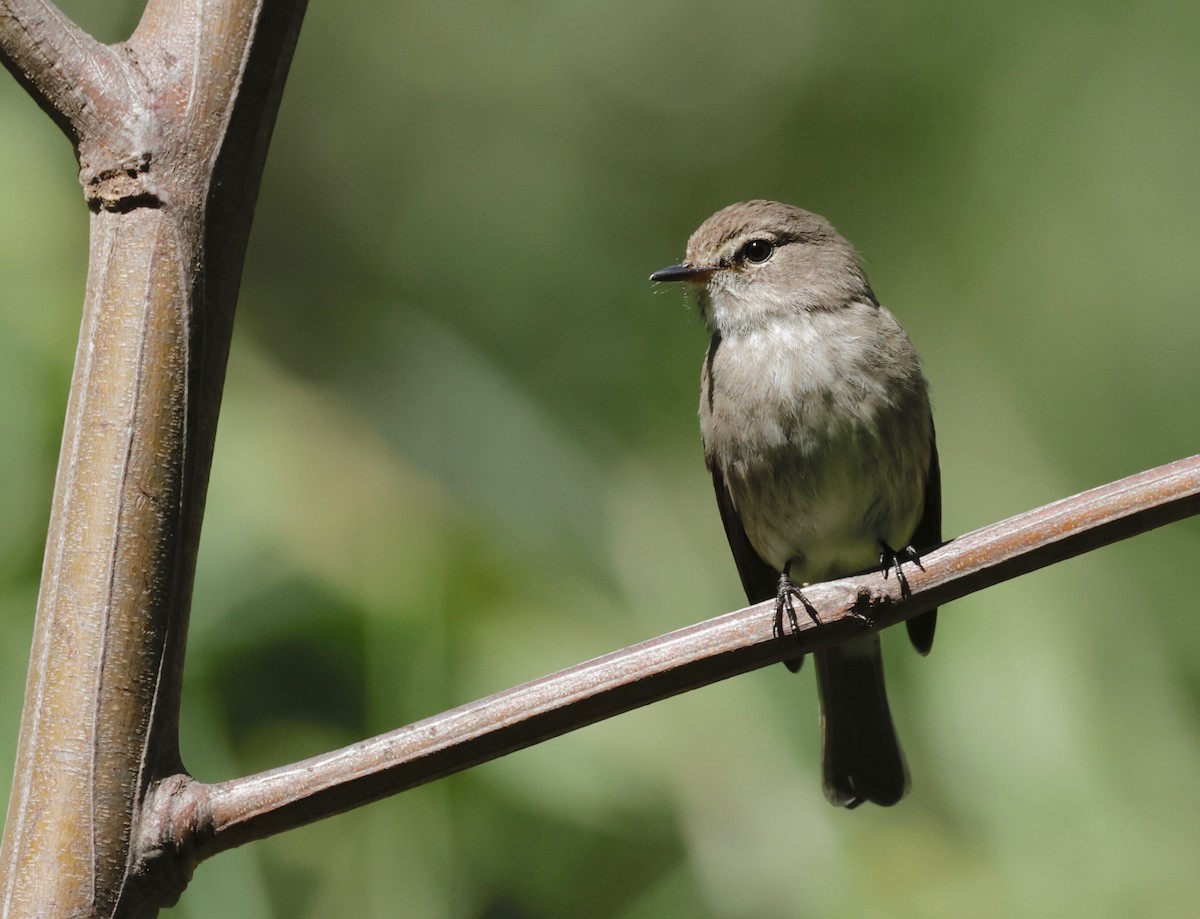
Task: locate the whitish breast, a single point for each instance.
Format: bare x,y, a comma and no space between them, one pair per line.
821,428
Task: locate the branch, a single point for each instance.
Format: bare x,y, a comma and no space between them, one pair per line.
67,72
171,130
189,817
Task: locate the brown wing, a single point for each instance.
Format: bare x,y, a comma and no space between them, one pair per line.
759,580
928,535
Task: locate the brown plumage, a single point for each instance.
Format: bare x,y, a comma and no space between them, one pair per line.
818,433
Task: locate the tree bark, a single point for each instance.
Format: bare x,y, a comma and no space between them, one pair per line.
237,811
171,130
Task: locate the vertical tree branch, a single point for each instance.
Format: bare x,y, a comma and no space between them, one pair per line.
171,130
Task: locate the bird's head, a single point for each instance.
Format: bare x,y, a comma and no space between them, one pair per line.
757,262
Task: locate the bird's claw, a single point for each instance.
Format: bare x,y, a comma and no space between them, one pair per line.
889,558
784,604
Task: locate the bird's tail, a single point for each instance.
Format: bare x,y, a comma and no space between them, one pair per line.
862,758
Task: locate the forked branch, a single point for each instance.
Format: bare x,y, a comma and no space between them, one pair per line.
171,129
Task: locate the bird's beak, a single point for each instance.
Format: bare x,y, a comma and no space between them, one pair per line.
682,272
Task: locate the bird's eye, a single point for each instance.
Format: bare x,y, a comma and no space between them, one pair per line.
757,250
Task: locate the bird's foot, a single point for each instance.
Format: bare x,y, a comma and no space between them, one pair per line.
889,558
785,598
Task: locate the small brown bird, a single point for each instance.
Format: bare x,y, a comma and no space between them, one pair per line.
818,433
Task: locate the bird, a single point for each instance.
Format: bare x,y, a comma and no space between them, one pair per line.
818,433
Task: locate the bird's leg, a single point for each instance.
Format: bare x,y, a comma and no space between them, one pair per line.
889,558
785,595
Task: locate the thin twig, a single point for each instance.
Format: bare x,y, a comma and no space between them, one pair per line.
206,819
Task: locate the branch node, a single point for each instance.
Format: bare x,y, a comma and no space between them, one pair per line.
176,819
123,187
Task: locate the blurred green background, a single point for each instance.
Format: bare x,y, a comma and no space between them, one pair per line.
459,447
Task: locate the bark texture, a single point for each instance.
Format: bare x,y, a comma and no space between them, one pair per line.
171,129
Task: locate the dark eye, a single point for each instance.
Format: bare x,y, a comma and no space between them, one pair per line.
757,250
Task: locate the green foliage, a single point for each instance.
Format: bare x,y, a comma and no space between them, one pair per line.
459,447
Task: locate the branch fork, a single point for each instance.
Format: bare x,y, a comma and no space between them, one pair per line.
171,130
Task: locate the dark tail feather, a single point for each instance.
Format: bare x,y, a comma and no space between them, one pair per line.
920,631
862,758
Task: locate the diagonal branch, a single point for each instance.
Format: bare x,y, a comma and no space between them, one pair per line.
184,815
73,77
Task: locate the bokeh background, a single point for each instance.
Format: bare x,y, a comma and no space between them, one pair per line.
459,447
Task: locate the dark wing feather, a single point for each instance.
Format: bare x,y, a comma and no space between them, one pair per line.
760,580
928,535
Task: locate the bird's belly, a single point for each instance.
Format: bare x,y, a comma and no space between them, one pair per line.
824,456
829,511
823,534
